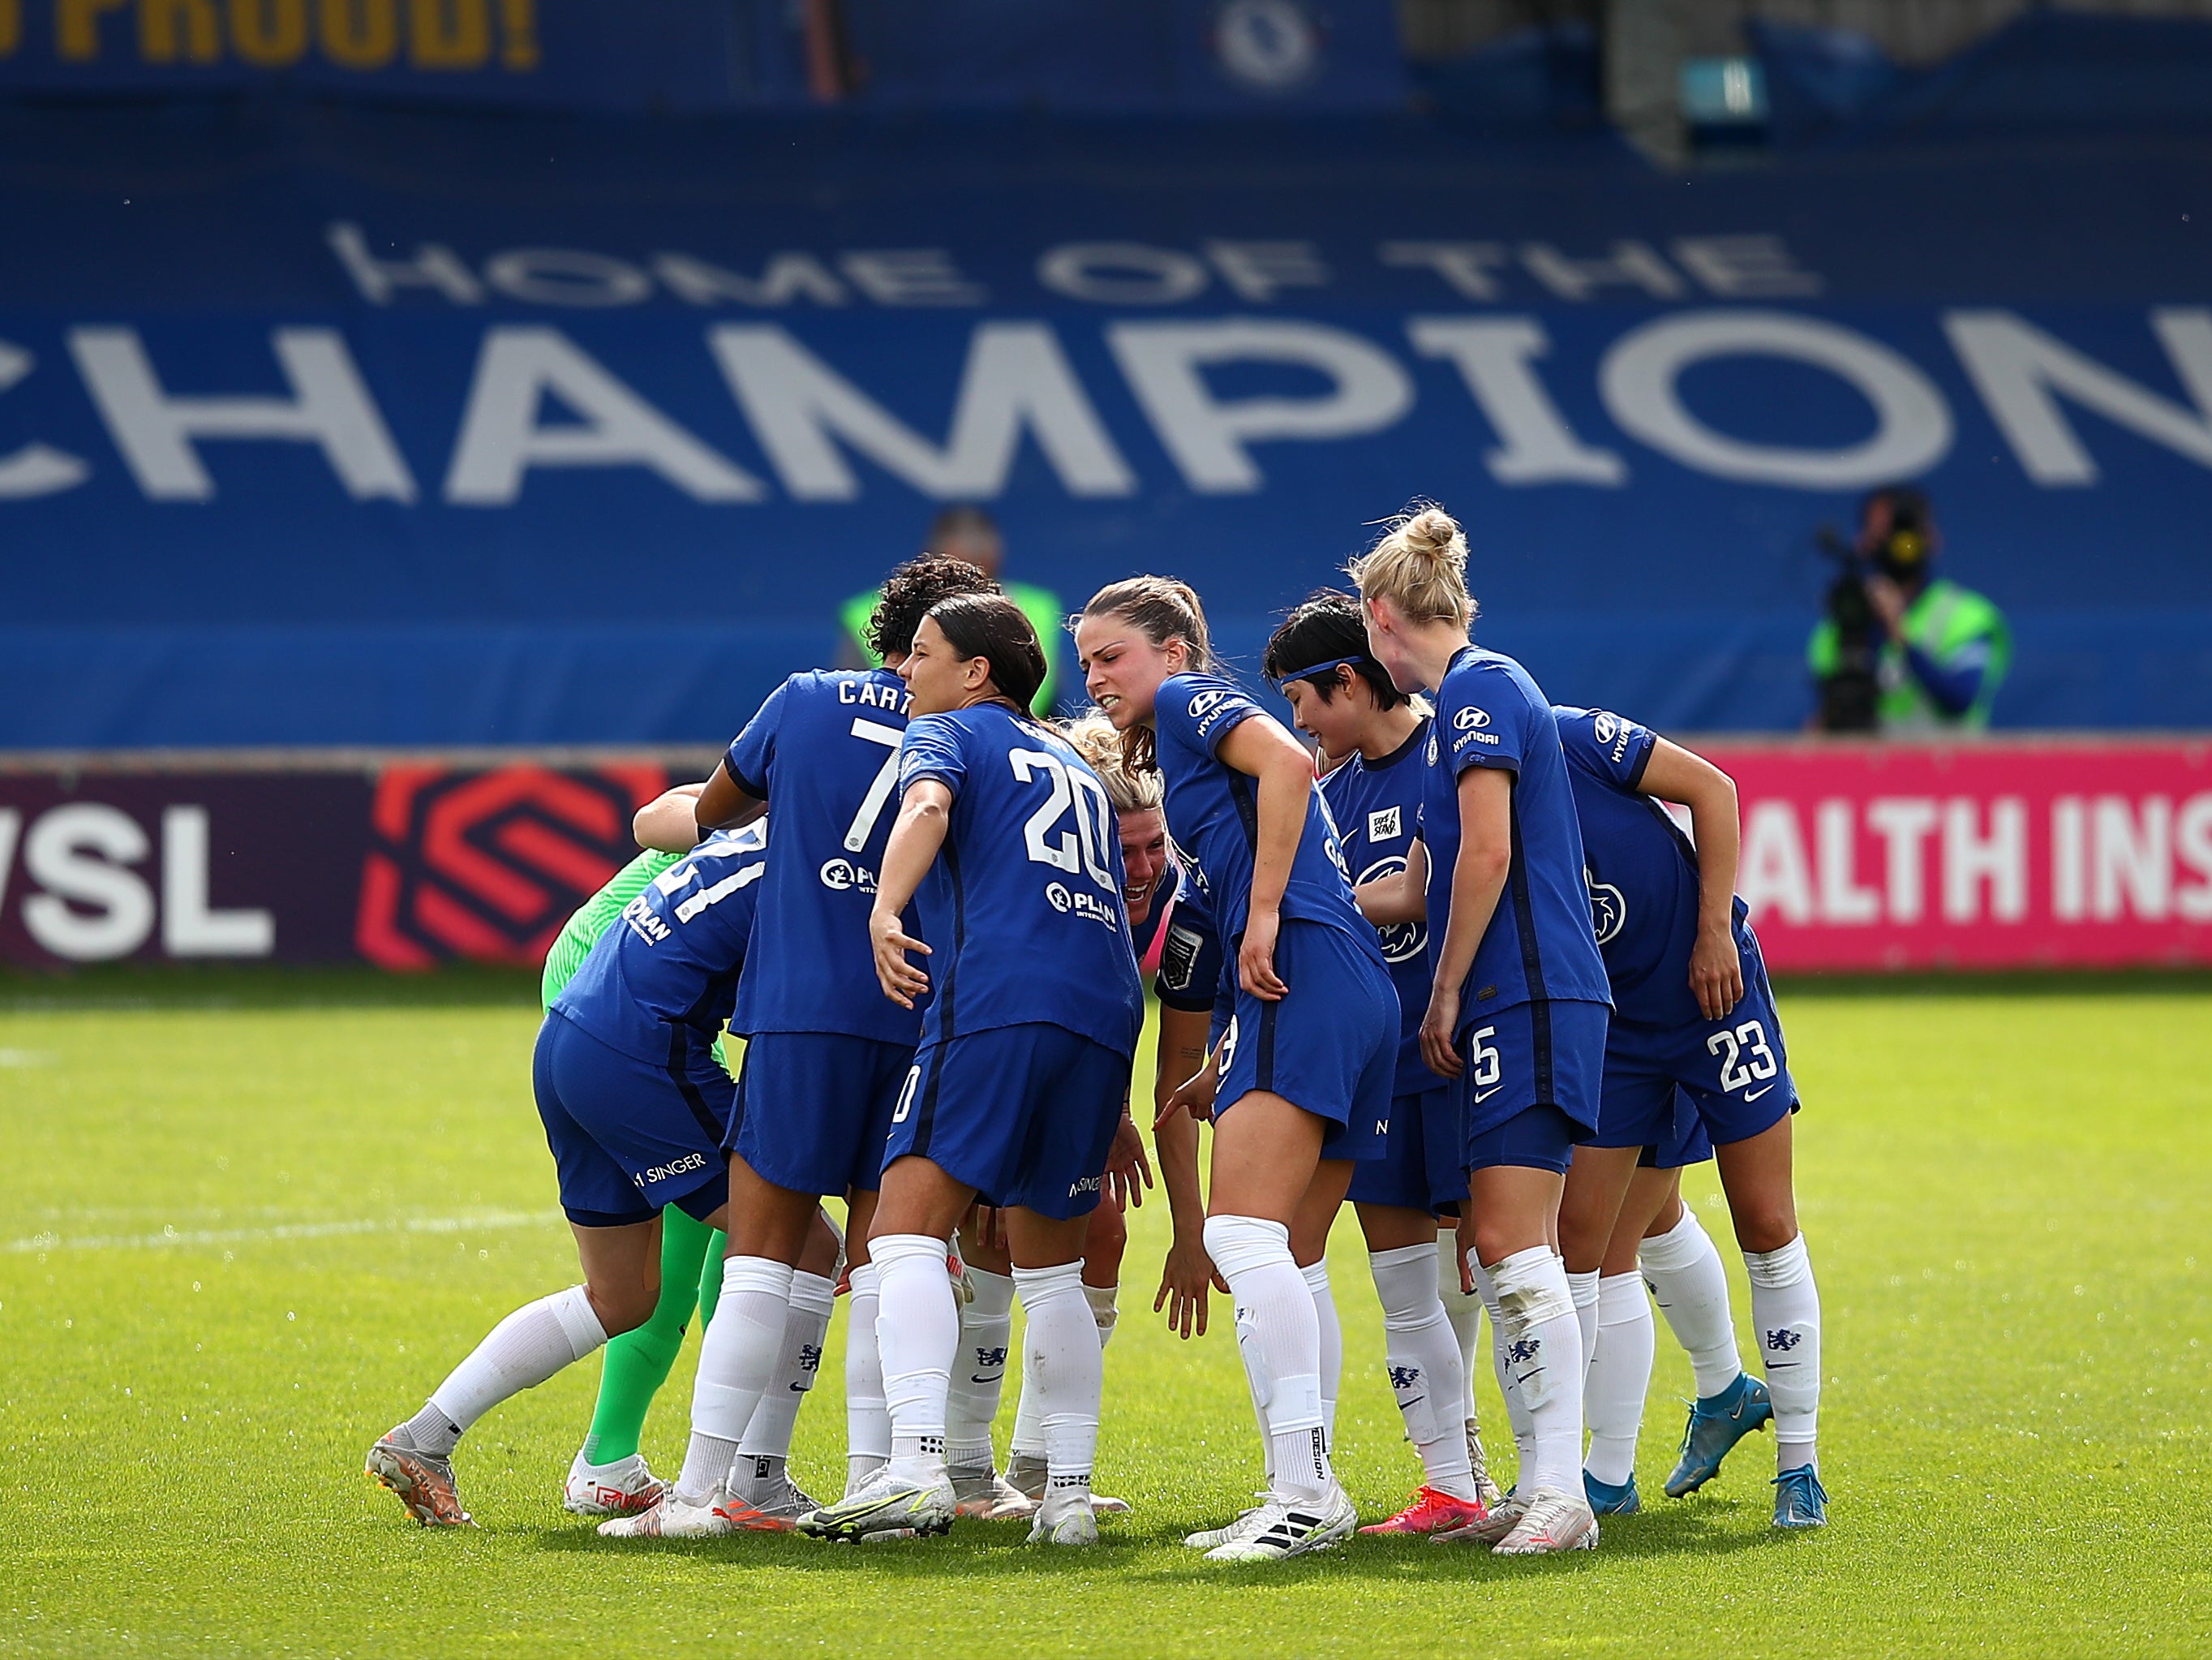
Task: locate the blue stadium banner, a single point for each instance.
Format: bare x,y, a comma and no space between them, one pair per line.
326,428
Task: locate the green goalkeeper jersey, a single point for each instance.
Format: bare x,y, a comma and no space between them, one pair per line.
593,918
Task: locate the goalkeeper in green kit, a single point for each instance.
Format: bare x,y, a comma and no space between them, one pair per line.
609,1476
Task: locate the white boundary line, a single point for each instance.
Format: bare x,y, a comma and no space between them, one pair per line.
175,1236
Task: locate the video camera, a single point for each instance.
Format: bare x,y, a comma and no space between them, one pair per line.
1851,693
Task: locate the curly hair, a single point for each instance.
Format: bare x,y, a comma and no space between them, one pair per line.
909,594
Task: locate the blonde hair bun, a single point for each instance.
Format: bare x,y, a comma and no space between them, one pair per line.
1419,564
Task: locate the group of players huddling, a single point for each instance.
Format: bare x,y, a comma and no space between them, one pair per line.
1475,979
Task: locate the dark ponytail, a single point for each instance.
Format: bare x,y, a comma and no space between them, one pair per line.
992,627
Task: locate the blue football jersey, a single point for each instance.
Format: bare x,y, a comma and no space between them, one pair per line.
1642,870
1021,909
824,751
1189,957
1540,943
661,981
1214,814
1377,806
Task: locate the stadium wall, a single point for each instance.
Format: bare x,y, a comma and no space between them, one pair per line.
2016,852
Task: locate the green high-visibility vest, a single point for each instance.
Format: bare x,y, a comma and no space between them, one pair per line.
1044,609
1943,621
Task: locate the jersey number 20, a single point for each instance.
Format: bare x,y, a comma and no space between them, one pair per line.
1082,849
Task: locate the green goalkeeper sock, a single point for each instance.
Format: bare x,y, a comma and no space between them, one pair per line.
637,1363
710,1279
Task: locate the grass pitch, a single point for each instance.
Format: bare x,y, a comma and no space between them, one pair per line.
249,1221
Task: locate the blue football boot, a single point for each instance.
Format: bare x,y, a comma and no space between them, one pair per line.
1800,1500
1717,1423
1606,1499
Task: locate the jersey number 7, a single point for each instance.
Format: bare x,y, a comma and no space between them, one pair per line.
879,788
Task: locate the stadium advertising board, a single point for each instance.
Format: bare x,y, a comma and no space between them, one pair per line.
2007,854
440,455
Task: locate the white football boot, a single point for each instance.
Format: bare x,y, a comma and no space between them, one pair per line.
622,1488
1554,1521
1282,1527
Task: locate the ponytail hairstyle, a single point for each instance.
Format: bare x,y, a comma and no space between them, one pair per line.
992,627
1419,565
1093,738
1328,631
1161,608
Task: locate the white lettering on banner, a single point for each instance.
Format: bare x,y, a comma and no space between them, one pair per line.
1843,900
1464,266
434,266
1972,859
1207,436
2130,857
11,827
1261,270
785,277
1904,824
1774,871
1744,267
189,926
502,438
2022,372
2192,845
1147,276
1016,380
1639,381
1631,264
1494,357
566,276
910,276
2069,886
82,853
155,431
35,469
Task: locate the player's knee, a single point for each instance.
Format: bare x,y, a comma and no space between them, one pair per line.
622,1309
1766,1225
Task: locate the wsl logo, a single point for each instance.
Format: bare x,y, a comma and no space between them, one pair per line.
1608,908
1401,942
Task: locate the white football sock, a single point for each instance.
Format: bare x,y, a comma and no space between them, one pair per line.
520,1353
1516,1409
1422,1353
1278,1336
979,1372
867,1421
1619,1377
1583,1287
737,1362
797,1362
1104,1312
1544,1346
1464,1309
1332,1343
1691,1287
1061,1349
918,1330
1785,1312
1029,1428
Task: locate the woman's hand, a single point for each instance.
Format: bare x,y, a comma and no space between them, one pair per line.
1716,971
1128,1170
1439,1028
1185,1278
1194,1095
902,980
1255,958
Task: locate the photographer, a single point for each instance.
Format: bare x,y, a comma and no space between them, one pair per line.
1900,649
